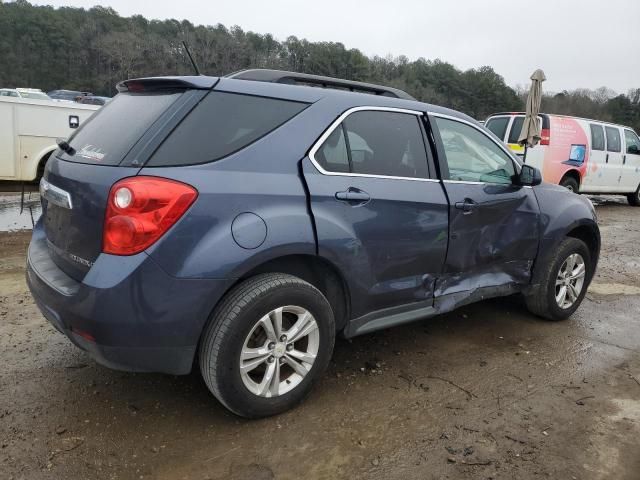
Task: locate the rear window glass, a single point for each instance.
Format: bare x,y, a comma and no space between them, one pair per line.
597,137
111,132
498,126
613,139
516,128
222,124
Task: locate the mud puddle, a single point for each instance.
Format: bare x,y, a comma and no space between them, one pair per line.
14,216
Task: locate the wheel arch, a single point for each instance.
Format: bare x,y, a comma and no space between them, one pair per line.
591,237
572,173
315,270
42,163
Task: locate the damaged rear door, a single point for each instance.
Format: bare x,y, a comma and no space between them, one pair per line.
493,222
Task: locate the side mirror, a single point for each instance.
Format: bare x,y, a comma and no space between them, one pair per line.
530,176
633,150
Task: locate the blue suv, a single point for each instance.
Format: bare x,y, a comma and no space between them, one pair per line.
240,223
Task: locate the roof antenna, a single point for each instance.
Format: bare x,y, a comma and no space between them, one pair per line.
195,65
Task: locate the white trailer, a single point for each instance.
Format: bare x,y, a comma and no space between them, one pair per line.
28,132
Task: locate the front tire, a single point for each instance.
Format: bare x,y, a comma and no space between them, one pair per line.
634,198
266,344
570,184
564,282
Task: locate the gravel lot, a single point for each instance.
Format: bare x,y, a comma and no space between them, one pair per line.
488,391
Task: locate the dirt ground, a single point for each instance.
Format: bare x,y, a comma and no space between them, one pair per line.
488,391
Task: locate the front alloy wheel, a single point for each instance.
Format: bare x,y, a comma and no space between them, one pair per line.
279,351
561,280
570,280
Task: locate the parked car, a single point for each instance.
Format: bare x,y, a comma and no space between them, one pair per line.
586,156
243,222
93,100
28,132
67,95
29,93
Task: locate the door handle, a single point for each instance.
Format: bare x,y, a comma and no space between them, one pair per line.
607,159
353,195
467,206
624,159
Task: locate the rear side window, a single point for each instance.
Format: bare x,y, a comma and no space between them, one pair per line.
597,137
613,139
376,143
632,140
222,124
333,155
498,126
111,132
516,128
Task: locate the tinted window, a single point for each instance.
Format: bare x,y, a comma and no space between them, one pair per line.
597,137
498,126
516,128
472,156
613,139
631,139
110,133
222,124
333,155
386,143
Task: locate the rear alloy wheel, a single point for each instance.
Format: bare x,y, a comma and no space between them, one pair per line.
279,351
266,344
634,198
570,184
563,283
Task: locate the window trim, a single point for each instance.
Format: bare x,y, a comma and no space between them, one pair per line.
336,123
502,146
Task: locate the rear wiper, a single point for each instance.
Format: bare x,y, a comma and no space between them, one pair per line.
65,147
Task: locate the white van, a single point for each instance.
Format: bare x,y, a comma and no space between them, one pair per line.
28,132
586,156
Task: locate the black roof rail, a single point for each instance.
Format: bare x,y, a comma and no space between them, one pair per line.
292,78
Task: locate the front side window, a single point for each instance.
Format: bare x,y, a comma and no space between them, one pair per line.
632,141
472,156
613,139
498,125
376,143
597,137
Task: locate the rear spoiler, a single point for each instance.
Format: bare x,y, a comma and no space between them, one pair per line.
151,84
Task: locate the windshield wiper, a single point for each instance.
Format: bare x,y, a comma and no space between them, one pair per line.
65,147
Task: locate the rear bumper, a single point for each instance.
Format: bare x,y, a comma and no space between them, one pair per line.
127,313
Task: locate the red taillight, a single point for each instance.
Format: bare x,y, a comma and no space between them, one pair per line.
140,210
83,334
545,136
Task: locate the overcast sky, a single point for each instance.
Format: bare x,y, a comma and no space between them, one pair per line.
578,43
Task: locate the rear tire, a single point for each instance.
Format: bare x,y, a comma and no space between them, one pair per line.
570,184
634,198
246,359
544,302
